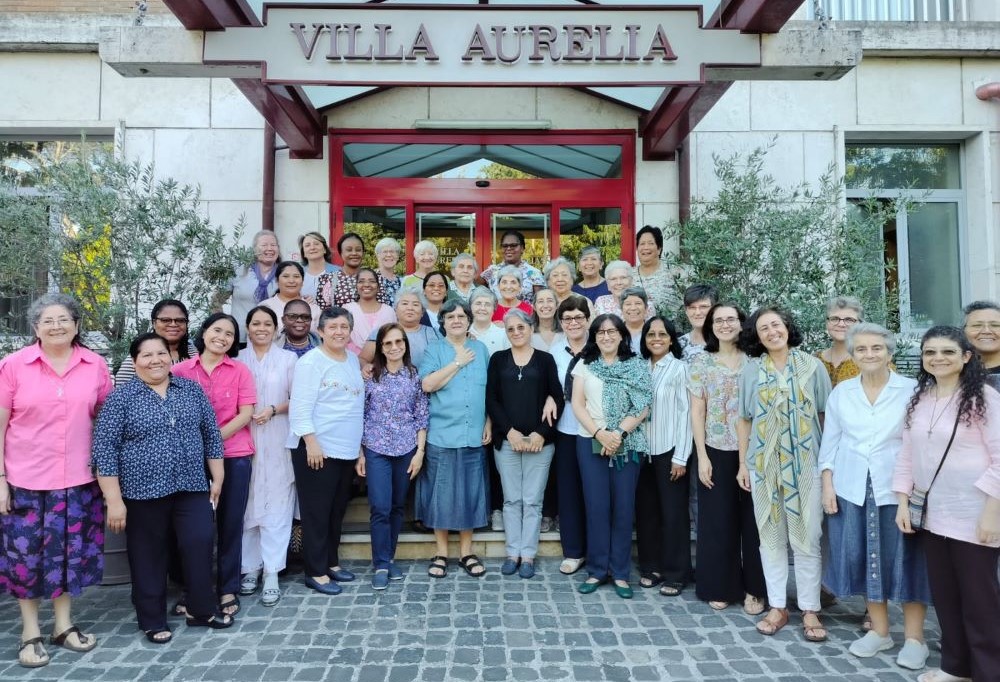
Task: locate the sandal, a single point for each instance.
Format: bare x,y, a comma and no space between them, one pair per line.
179,608
753,606
650,579
718,605
813,633
866,624
470,562
156,636
38,649
668,590
270,596
438,567
769,625
248,585
87,642
231,603
216,621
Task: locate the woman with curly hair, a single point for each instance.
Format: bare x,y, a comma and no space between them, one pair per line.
951,450
783,393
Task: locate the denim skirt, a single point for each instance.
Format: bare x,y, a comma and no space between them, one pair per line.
452,489
871,557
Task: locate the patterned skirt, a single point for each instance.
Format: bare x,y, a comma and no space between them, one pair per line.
52,542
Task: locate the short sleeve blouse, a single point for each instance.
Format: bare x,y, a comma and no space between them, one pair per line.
719,387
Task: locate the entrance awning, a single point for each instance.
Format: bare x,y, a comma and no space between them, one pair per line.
668,112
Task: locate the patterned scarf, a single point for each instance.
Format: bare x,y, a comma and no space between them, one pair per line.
261,292
785,450
628,390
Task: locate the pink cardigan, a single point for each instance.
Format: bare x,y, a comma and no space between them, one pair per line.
969,475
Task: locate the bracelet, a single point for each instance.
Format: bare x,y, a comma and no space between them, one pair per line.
274,411
596,432
3,475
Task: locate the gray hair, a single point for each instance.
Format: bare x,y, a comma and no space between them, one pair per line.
555,263
536,321
590,251
39,305
450,306
510,271
464,257
410,291
638,292
872,329
848,302
332,313
519,314
618,265
387,243
425,245
265,233
482,292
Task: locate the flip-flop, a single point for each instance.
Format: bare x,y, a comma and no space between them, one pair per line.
87,642
37,648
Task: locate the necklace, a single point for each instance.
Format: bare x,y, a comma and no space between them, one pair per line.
934,420
520,368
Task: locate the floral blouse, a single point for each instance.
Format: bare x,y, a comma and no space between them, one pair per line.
396,408
336,288
719,386
659,288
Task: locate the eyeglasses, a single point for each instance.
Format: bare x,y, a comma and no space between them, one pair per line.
981,326
298,317
172,321
512,245
610,333
725,321
58,322
834,320
574,319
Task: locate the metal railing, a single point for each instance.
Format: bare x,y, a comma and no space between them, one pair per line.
889,10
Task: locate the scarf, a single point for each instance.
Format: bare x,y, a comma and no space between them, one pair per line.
628,390
785,450
261,292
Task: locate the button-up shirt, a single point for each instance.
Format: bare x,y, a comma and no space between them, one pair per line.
458,409
229,387
862,439
396,408
669,424
47,441
156,446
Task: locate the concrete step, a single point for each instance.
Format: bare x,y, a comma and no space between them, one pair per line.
355,543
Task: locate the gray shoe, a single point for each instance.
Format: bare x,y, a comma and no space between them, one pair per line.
248,584
871,644
547,525
913,655
496,520
272,593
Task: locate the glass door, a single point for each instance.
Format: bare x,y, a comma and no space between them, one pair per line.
453,232
534,222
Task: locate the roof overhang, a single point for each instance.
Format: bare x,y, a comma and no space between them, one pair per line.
671,88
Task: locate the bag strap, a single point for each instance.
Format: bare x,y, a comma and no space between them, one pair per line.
944,456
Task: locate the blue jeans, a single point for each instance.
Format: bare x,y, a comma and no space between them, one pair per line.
609,495
388,483
229,522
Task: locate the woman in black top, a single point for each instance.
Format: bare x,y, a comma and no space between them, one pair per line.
519,382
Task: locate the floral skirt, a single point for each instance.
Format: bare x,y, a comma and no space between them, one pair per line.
52,542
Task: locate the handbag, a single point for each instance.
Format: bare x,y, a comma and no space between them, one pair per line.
918,497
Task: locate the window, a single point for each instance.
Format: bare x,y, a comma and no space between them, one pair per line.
22,200
925,238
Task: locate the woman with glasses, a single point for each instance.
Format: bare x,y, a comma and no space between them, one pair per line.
698,298
619,278
982,329
170,321
842,313
295,335
51,511
612,392
387,252
728,546
783,394
289,276
435,288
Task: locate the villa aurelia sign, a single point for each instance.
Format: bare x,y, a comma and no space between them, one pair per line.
469,45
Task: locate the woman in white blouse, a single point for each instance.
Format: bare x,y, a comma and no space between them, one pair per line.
869,556
662,521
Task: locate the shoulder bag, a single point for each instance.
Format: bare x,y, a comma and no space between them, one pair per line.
918,498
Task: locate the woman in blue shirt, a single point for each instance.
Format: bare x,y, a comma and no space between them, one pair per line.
452,493
151,442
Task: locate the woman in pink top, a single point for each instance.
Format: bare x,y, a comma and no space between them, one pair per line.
962,513
51,513
230,388
368,311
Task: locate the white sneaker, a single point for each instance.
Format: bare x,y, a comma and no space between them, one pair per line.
546,525
913,655
871,644
496,520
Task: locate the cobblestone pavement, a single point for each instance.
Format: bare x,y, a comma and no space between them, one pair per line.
461,628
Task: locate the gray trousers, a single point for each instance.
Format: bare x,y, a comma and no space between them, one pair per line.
523,476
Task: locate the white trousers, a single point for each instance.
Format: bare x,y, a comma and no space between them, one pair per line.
265,543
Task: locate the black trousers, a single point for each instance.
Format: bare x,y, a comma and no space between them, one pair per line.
966,594
148,532
728,547
662,521
323,497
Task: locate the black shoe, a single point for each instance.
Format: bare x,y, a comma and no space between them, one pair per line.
330,588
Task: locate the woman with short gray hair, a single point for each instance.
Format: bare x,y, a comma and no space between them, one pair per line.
464,269
560,273
425,255
483,303
509,280
619,277
518,383
387,252
591,284
257,282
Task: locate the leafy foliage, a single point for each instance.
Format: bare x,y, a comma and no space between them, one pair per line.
119,240
760,243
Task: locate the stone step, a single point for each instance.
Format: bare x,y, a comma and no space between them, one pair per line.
355,543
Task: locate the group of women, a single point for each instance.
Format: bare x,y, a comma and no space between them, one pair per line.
582,392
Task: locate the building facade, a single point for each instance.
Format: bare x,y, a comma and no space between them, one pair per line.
566,164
